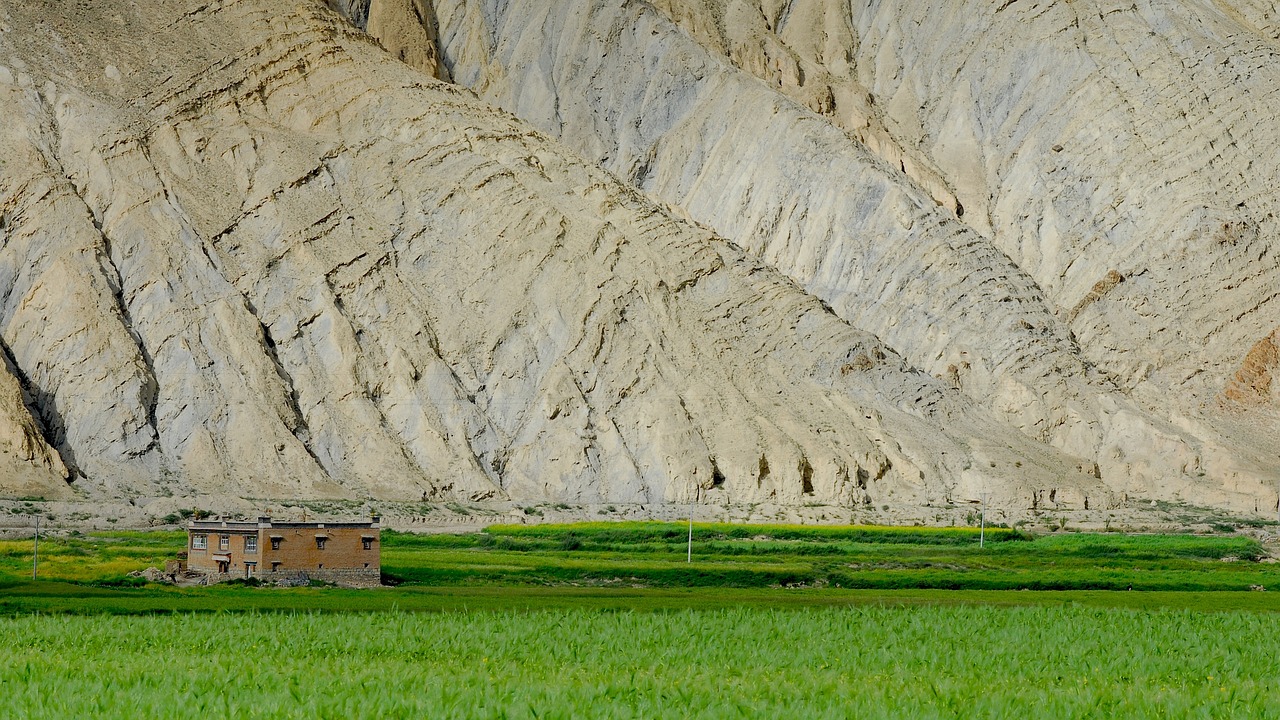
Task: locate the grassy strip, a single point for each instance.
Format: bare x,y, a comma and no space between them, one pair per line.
865,662
22,598
640,532
654,555
1072,545
462,566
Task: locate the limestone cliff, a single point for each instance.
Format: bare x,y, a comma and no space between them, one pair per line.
985,196
705,251
261,256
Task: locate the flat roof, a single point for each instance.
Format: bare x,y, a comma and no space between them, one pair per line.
243,526
366,525
219,525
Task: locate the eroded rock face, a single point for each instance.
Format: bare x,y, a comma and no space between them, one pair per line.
406,28
986,196
1102,146
28,466
260,256
1255,382
266,254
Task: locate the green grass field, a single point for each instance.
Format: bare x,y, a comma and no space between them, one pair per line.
609,620
865,662
642,566
653,555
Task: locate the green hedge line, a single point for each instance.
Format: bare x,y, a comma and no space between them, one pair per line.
637,532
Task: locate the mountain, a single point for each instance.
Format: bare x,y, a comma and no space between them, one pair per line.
633,252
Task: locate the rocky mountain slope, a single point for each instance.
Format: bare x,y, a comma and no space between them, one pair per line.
594,251
1125,286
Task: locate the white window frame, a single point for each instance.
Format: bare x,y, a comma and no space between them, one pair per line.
199,542
251,543
224,542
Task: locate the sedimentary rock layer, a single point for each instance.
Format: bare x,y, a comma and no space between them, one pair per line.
258,255
715,251
989,196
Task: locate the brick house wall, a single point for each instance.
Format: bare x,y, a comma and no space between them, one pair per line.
224,548
344,547
265,549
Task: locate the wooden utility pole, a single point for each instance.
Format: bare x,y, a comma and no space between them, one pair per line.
982,533
690,557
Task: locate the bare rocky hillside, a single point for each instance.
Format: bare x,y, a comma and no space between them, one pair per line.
690,250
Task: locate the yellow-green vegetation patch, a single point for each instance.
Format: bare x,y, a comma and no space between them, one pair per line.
96,557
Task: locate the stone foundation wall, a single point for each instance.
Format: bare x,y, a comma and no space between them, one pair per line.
362,577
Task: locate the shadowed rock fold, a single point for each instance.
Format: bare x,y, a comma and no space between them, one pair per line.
680,252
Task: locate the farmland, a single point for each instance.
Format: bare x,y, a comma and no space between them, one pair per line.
867,662
644,566
654,555
612,619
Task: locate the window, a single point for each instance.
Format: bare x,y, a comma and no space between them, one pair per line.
199,542
275,565
250,543
275,543
224,542
320,540
368,543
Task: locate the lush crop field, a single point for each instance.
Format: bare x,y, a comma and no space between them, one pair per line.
632,533
609,620
865,662
654,555
642,566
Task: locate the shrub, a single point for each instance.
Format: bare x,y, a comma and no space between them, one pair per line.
248,582
122,581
